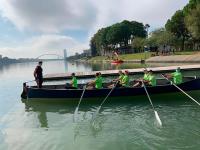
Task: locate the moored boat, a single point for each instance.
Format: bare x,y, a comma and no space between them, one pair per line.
49,92
117,61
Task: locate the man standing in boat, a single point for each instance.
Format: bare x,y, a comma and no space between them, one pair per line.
38,74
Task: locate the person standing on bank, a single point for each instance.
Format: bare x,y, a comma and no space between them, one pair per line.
38,74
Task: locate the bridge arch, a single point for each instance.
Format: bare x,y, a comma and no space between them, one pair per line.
50,55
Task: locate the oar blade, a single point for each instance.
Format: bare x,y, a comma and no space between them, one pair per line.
75,114
158,118
96,113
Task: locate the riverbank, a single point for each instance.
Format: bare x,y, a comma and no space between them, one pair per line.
177,57
194,58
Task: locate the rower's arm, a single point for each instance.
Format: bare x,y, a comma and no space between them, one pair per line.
35,72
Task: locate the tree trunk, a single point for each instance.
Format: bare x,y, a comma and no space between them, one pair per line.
183,44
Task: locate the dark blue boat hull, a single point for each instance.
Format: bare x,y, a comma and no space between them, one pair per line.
72,94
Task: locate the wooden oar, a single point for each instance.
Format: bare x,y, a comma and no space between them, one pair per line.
76,110
182,91
155,112
98,109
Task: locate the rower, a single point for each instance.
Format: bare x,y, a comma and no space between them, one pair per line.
144,79
177,76
73,84
151,79
125,80
100,75
118,81
97,83
74,81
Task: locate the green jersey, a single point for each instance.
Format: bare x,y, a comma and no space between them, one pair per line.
98,82
177,78
146,77
125,81
152,80
74,82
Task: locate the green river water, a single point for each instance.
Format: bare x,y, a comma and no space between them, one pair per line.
120,126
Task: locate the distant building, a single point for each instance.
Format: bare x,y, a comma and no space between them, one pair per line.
65,54
0,56
87,53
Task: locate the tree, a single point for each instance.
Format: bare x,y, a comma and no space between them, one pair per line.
177,27
138,44
192,21
161,37
118,33
191,5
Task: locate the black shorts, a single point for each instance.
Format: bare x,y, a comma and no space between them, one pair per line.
118,85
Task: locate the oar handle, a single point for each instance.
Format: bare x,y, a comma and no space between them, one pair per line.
148,95
109,93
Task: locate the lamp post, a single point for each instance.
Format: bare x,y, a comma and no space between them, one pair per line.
145,52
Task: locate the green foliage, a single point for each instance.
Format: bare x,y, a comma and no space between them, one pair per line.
118,33
137,56
192,21
191,5
176,25
138,44
161,37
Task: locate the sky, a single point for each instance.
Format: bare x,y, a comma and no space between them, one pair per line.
29,28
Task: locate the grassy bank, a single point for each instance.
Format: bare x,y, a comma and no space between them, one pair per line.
139,56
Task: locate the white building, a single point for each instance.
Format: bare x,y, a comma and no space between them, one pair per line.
87,52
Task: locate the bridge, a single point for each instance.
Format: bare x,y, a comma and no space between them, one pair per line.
58,56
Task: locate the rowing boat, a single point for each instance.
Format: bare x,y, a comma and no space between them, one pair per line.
49,92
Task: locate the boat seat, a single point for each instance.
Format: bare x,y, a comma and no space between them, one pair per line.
162,82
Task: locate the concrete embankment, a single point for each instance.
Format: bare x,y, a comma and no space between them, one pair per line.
175,59
61,76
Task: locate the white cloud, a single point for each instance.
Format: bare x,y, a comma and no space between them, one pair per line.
153,12
49,15
44,44
57,15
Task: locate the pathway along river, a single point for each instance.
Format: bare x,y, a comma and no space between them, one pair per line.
120,126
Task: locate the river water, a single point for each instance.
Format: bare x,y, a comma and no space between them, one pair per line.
120,126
